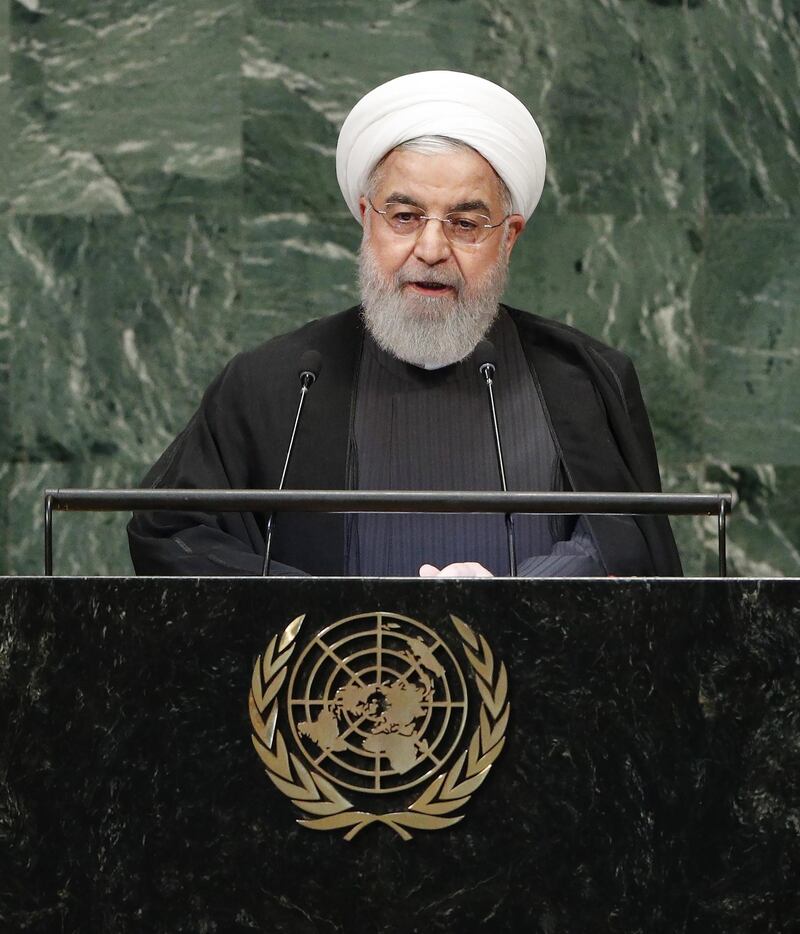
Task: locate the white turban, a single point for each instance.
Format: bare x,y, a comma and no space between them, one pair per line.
443,103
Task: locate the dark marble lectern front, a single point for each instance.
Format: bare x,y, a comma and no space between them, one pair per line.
650,779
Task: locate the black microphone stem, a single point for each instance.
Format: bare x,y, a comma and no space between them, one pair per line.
488,370
307,380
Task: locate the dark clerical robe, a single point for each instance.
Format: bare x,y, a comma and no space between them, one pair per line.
417,429
571,415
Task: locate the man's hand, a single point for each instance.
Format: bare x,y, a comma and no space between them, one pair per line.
460,569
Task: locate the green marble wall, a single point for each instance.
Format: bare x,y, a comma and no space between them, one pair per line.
168,196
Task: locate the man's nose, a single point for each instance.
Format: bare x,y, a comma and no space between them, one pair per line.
432,246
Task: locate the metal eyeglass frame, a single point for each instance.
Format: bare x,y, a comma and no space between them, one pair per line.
447,224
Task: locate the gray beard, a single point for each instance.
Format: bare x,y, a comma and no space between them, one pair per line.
425,330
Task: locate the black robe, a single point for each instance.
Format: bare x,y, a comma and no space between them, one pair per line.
238,439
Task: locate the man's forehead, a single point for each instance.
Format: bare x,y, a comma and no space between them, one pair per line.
449,177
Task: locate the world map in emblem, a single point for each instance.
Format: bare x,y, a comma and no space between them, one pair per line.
377,702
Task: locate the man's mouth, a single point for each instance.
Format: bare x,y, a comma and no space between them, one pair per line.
430,288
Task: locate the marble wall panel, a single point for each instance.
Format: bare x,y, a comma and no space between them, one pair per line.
627,282
295,268
746,299
83,543
764,530
5,506
172,195
305,64
119,324
4,102
765,527
752,71
617,88
4,284
613,85
5,343
123,104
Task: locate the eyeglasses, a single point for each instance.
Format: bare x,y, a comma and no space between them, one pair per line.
462,228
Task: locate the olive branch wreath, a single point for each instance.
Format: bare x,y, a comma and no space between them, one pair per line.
318,798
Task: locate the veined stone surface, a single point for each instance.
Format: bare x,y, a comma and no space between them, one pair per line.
752,109
648,780
5,344
747,301
169,198
5,305
124,106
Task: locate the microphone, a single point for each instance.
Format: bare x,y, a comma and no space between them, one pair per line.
310,365
308,371
486,355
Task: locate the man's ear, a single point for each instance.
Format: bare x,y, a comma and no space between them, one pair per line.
362,207
516,224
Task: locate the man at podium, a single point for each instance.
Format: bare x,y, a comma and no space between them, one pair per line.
442,170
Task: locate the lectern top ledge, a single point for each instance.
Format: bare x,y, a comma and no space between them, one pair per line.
336,501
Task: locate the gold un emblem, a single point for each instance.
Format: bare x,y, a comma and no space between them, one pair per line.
377,704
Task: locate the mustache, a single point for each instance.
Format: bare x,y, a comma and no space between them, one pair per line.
450,277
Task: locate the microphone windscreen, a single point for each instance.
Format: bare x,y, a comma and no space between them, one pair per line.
310,362
485,353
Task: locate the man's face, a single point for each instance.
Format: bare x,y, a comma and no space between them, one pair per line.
426,299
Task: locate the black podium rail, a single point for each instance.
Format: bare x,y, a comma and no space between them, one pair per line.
683,504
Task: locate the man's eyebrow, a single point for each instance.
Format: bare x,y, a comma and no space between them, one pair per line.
399,198
471,206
